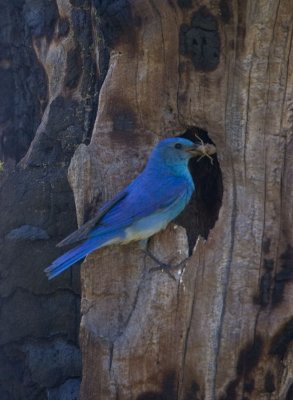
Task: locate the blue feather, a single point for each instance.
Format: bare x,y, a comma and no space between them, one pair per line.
76,254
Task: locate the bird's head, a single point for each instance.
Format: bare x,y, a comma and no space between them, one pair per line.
175,151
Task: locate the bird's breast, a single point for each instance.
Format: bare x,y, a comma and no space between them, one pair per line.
148,226
145,228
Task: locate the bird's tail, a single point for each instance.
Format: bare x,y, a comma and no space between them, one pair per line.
71,257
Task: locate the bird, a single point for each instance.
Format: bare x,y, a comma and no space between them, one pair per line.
144,207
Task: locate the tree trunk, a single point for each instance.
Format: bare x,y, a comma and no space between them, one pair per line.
222,330
46,105
222,69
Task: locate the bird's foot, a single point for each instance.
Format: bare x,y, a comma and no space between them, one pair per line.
163,266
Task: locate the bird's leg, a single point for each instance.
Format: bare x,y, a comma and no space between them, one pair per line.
161,266
165,267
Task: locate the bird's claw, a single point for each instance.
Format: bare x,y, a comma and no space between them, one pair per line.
163,266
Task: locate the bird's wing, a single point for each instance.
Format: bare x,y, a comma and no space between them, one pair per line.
145,198
138,200
82,233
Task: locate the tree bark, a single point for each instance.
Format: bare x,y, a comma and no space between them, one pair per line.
223,329
222,69
49,90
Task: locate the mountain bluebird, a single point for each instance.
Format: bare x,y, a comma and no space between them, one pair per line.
141,209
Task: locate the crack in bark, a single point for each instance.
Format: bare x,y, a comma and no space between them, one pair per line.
225,283
185,342
247,120
121,333
111,350
162,34
287,68
133,306
278,240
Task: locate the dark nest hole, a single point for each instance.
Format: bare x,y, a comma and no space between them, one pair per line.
201,214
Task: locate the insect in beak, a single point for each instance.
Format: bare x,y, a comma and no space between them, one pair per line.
203,150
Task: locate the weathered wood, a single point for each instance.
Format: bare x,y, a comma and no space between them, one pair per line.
48,98
223,329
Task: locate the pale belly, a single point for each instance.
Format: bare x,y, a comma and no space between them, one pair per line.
143,229
140,230
148,226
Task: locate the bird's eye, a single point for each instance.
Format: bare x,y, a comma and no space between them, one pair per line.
178,146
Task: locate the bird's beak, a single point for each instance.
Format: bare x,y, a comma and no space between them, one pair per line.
202,149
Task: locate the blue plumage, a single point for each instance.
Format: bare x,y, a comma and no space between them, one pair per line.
144,207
